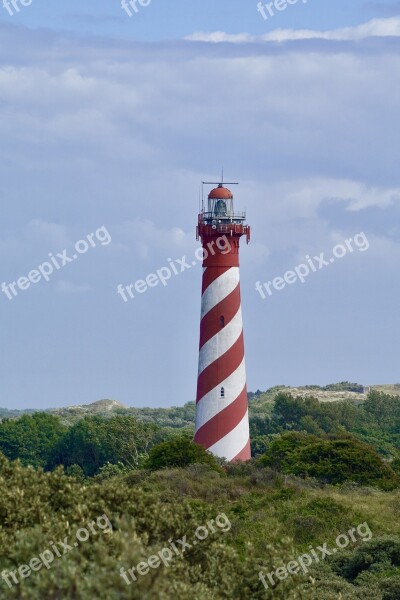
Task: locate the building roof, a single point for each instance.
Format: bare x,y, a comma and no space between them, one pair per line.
220,193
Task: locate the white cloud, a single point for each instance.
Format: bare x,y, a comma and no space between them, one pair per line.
121,133
374,28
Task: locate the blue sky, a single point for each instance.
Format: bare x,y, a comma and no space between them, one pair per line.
178,18
110,121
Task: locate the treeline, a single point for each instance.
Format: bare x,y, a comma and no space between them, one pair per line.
41,440
359,443
343,386
375,421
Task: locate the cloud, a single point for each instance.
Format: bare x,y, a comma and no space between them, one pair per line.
120,133
374,28
127,134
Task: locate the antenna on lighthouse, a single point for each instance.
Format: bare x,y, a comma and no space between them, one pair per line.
200,199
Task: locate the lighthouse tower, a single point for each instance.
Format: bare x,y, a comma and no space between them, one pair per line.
222,422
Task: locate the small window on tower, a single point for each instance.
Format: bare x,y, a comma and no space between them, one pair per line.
222,392
222,321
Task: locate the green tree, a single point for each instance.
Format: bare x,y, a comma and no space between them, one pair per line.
31,438
385,409
95,441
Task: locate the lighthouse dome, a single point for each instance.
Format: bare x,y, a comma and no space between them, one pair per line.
220,193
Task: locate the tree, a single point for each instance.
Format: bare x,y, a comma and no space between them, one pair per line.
385,410
31,438
95,441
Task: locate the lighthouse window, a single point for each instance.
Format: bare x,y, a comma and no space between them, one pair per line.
222,321
220,208
222,392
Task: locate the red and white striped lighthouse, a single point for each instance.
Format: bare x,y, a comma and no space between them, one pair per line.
222,422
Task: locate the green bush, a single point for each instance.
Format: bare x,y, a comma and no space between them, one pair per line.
180,451
329,460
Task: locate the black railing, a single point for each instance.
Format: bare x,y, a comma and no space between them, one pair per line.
210,216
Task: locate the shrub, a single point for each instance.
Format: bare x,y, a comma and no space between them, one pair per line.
330,460
180,452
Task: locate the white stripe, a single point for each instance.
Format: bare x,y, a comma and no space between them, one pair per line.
219,289
234,442
212,403
221,342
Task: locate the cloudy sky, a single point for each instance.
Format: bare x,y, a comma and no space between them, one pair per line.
109,123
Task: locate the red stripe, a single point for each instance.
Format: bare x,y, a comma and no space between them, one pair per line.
222,423
211,274
244,454
221,368
211,323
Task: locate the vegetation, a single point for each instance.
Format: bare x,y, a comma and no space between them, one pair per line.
180,452
329,460
95,441
375,422
32,439
319,469
274,520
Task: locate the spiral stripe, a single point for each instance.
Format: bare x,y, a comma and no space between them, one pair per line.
234,442
209,275
211,403
221,342
219,289
221,407
223,422
220,369
211,323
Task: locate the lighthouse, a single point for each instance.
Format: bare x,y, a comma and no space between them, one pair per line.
222,421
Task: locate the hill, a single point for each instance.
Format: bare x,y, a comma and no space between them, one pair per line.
183,416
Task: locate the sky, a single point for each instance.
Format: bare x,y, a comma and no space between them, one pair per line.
108,124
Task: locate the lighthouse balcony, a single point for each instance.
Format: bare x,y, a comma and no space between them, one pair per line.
227,227
229,217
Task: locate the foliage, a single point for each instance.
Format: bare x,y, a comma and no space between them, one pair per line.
180,451
156,486
330,460
148,508
94,441
344,386
31,438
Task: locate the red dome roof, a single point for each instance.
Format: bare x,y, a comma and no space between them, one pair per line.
220,193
